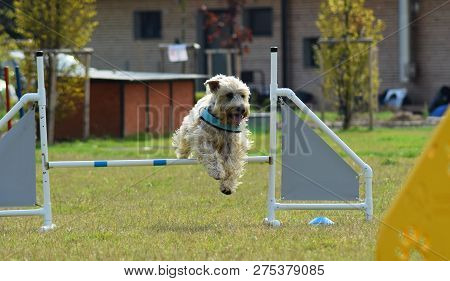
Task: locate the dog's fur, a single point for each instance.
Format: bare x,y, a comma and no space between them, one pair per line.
222,153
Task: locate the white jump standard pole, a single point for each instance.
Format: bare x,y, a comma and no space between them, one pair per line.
271,201
47,208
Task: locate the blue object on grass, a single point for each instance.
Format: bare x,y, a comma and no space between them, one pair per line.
321,220
439,111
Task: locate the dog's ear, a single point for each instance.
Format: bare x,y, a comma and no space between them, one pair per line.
213,84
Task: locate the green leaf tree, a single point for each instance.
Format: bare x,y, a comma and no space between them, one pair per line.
55,24
346,54
7,34
7,44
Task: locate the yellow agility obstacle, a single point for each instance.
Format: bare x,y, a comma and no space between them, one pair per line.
419,220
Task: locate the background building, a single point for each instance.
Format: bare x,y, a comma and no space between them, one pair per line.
129,32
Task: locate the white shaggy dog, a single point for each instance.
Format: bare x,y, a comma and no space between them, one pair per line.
215,131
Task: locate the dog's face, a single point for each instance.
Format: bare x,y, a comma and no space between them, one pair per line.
230,99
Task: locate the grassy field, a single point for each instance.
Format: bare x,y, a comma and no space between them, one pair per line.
178,213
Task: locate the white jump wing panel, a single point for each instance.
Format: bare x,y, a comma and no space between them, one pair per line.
18,164
311,169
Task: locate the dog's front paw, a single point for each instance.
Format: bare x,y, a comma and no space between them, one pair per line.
227,190
216,173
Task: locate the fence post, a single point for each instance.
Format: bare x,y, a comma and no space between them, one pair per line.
87,97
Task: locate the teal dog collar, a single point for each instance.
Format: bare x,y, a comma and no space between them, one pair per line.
212,120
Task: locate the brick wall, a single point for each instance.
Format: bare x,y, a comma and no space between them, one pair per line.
301,24
113,41
259,57
431,50
115,46
302,17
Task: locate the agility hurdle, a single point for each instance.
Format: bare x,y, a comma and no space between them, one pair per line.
314,181
272,204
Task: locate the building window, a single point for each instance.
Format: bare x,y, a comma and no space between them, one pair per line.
259,20
147,24
309,44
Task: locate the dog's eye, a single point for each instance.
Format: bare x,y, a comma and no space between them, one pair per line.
230,96
243,96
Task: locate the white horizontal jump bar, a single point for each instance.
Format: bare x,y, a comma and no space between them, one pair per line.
140,162
341,206
16,213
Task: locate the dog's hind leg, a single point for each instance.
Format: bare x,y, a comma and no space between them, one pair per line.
234,168
211,160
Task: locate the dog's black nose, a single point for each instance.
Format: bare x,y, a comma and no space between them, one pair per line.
240,109
226,191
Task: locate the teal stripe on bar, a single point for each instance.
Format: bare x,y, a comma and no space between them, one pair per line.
159,162
100,163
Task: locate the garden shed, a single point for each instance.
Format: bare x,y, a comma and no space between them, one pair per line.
124,103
